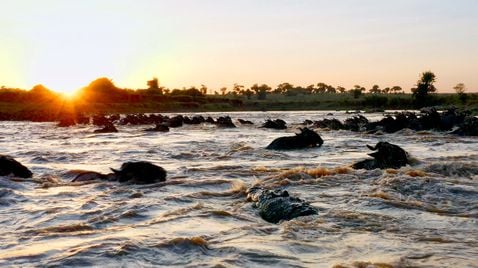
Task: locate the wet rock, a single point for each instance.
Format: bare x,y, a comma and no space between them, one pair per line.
305,139
8,166
387,155
140,172
277,205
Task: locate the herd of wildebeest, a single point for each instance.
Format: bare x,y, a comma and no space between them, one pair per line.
276,204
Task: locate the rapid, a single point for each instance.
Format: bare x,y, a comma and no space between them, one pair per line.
424,215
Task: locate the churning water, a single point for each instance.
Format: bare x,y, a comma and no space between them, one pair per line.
420,215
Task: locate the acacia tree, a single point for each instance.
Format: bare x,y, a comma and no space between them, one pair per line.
375,89
223,90
424,87
396,89
261,90
460,90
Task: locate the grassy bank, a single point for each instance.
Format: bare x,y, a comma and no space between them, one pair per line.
49,110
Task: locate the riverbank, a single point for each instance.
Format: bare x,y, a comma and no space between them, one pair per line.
55,109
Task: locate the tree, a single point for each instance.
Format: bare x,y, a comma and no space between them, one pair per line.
223,90
283,88
153,84
238,89
261,90
396,89
321,87
460,90
357,91
424,87
375,89
341,89
203,89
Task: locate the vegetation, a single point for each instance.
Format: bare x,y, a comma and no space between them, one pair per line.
103,96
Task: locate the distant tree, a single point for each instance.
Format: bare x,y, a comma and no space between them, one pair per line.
341,89
238,89
460,90
321,88
386,90
330,89
424,87
357,91
203,89
153,84
283,88
396,89
261,91
223,90
310,88
248,93
375,89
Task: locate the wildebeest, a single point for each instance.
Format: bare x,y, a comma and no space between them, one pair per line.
387,155
8,166
305,139
140,172
275,124
277,205
107,128
159,128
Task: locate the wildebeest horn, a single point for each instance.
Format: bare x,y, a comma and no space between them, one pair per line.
115,171
371,147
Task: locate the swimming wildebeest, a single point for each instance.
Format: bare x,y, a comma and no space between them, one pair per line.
305,139
8,166
277,205
387,155
141,172
107,128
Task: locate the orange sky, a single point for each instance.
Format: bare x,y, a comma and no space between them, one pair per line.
66,44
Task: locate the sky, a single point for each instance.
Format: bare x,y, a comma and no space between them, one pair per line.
66,44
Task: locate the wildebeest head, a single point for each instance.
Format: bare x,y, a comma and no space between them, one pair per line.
8,165
310,136
140,172
389,155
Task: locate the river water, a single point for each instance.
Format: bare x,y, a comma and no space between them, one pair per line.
425,215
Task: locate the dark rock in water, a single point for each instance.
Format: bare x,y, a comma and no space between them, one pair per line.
275,124
210,120
8,166
305,139
107,128
92,175
307,122
387,156
277,205
140,172
158,128
245,122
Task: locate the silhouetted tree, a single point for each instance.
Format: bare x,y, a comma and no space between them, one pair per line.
375,89
357,91
396,89
261,90
424,87
203,89
223,90
153,84
283,88
460,90
341,89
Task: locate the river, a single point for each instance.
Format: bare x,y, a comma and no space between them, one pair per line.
424,215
